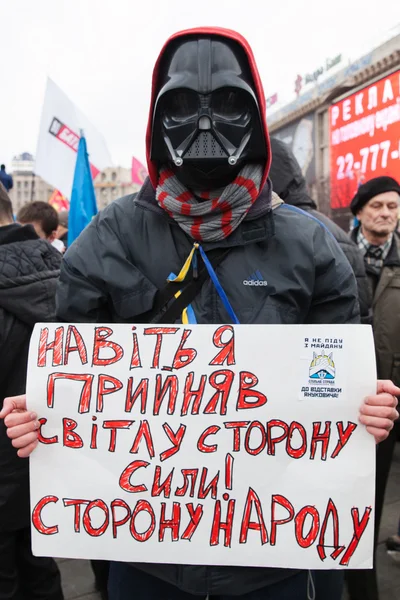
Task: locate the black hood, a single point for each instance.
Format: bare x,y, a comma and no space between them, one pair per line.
286,176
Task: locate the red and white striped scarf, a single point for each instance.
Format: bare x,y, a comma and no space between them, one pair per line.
209,216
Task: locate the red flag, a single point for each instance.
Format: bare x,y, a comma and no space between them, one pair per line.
139,173
58,201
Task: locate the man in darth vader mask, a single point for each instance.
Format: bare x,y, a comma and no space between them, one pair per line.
206,122
207,137
208,199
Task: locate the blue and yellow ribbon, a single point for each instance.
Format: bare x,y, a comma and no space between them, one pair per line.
188,316
184,271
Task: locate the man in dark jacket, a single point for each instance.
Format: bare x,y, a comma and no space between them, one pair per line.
6,179
29,270
208,191
376,206
113,271
289,183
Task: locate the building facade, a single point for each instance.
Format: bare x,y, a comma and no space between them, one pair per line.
346,129
112,183
28,187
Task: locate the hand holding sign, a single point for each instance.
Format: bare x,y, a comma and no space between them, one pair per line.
22,425
378,412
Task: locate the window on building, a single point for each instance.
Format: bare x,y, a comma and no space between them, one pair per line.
26,196
19,196
26,184
103,176
18,185
114,176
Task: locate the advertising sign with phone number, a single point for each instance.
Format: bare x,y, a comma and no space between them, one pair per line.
364,138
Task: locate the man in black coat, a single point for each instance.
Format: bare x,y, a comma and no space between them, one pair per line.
29,271
289,183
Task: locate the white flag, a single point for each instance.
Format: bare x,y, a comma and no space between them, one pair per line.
58,141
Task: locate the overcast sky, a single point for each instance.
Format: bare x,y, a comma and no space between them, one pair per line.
101,53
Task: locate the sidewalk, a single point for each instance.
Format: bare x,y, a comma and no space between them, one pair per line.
78,579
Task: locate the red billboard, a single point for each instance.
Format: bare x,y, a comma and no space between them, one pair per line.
364,138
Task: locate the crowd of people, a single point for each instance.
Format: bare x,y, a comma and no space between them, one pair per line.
219,182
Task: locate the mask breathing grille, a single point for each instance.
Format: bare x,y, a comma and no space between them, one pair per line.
205,146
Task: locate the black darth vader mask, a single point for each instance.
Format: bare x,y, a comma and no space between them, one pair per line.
206,119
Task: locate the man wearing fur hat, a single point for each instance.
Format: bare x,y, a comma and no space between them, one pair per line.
376,206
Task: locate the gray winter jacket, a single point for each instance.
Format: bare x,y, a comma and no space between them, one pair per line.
385,290
113,270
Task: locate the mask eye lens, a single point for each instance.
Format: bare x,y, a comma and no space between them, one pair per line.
229,104
181,106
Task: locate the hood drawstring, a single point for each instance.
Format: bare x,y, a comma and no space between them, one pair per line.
310,586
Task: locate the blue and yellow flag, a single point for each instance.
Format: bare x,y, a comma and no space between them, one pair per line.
83,205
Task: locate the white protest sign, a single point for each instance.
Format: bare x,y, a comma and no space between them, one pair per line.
204,444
